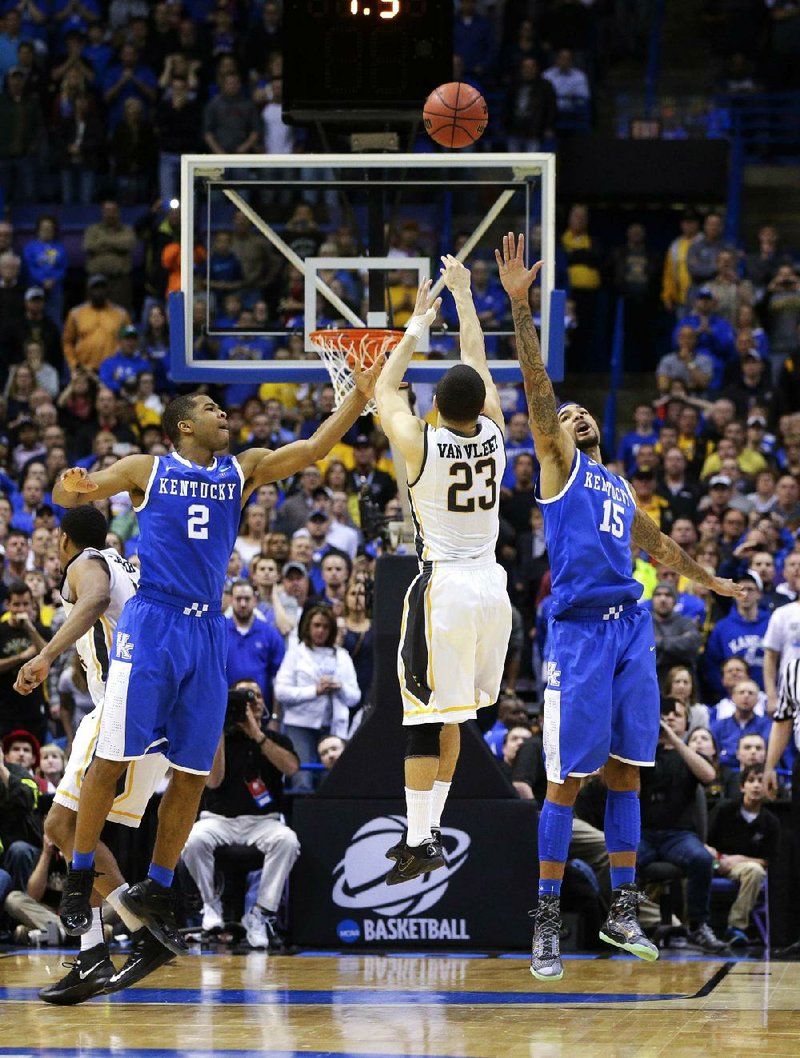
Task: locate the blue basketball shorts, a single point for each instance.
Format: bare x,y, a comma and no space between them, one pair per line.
602,695
167,690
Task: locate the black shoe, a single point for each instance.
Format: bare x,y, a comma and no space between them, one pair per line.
89,975
622,928
146,955
394,852
75,910
152,903
412,862
789,953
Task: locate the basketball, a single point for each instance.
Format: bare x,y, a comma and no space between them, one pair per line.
455,114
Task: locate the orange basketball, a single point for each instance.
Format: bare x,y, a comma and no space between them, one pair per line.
455,114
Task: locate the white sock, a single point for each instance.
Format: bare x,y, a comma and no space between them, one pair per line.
418,806
94,935
440,792
113,900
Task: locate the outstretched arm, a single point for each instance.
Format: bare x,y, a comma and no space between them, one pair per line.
398,422
77,485
260,466
646,534
473,347
548,436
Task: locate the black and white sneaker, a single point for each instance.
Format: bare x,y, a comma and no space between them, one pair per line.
145,956
89,974
394,852
75,910
411,862
546,962
152,904
622,928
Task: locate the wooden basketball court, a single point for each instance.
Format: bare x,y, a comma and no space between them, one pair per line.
374,1005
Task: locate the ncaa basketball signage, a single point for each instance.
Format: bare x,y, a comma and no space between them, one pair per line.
480,898
358,884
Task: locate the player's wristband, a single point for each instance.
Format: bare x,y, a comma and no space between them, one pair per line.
263,740
417,325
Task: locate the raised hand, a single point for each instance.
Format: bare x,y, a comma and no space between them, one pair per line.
366,378
721,586
456,275
424,311
76,479
514,276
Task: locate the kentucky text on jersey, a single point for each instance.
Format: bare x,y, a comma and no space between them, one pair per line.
201,490
189,520
601,484
587,529
467,450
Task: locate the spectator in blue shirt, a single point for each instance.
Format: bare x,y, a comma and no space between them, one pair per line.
45,261
510,713
126,363
473,39
715,335
74,14
518,439
128,78
740,634
643,433
244,346
744,721
255,646
98,52
225,275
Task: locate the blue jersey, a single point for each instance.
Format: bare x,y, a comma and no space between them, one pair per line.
188,522
587,528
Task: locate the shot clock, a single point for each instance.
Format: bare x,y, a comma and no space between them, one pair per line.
361,60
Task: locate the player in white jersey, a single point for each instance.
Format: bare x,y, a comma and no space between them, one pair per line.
97,584
457,614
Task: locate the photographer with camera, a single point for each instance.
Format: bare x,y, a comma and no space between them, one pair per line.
668,800
243,805
21,638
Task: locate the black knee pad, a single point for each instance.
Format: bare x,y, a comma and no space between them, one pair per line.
423,740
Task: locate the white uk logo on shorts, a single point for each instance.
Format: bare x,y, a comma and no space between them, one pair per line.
553,674
124,647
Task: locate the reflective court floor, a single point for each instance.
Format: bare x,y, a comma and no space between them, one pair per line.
237,1006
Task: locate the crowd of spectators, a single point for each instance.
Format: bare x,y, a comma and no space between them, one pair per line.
84,352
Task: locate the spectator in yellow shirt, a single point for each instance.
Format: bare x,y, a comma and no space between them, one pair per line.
92,329
675,280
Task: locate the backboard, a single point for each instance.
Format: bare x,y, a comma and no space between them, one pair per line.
380,223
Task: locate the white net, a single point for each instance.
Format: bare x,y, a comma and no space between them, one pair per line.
357,345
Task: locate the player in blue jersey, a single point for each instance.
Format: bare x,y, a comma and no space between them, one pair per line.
601,704
166,690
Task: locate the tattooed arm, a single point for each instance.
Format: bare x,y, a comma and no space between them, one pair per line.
553,444
646,535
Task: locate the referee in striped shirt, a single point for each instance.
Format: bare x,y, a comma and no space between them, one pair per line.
787,722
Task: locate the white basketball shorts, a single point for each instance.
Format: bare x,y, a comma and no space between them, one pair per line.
453,642
140,780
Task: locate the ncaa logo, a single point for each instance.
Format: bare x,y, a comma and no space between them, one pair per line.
358,878
348,931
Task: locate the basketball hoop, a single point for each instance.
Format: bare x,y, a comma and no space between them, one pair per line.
340,350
